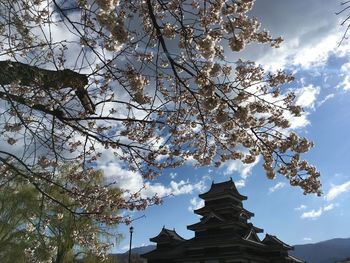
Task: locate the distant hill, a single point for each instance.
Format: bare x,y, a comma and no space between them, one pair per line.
135,252
328,251
141,250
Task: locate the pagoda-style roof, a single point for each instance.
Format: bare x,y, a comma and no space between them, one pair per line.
221,189
223,234
212,222
247,214
167,236
252,236
275,242
205,209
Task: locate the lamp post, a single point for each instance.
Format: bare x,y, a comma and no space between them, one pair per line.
131,230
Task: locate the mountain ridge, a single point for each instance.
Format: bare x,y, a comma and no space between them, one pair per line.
328,251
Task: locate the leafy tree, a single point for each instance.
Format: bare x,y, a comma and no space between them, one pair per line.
153,81
34,228
15,206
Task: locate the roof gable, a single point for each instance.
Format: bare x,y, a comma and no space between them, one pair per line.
271,240
252,236
221,189
167,236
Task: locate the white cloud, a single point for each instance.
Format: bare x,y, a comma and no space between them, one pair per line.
238,166
306,44
244,170
195,203
336,190
173,175
240,183
183,187
276,187
190,161
328,207
133,182
124,179
297,122
316,54
313,214
345,68
328,97
306,96
124,248
174,188
345,72
301,207
305,54
307,239
345,84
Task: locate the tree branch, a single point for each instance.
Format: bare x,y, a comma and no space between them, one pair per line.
27,75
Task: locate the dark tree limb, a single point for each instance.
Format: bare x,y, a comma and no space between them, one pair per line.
40,107
27,75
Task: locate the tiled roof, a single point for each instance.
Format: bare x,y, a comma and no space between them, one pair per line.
220,189
167,235
252,236
294,259
273,240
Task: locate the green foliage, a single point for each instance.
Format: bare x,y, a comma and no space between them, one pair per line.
19,204
39,228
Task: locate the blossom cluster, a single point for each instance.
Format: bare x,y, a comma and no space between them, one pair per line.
114,23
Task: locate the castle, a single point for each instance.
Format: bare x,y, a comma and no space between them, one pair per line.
222,235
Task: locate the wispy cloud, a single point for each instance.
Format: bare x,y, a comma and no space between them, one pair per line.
301,207
328,207
276,187
195,203
313,214
328,97
345,84
345,70
307,239
337,190
172,175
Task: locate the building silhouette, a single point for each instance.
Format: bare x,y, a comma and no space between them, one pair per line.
222,235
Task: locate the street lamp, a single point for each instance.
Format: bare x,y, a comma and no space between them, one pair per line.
131,230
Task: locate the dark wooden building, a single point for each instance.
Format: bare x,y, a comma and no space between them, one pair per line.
222,235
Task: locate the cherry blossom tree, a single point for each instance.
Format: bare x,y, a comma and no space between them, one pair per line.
345,6
156,82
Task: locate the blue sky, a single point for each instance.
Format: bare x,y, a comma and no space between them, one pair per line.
322,83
